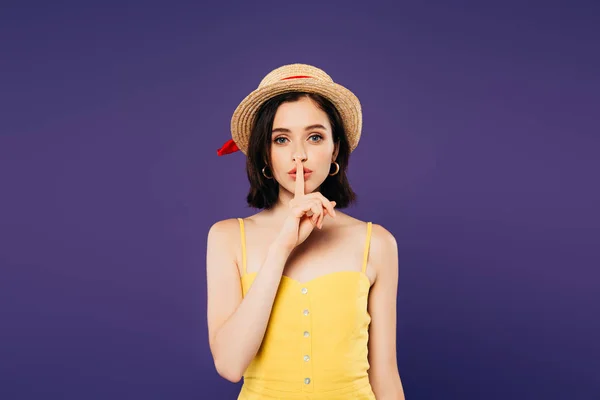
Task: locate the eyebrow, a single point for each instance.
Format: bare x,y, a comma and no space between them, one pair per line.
308,128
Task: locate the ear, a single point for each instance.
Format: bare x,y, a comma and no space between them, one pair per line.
336,150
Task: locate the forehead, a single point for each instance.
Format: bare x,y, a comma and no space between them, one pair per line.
299,114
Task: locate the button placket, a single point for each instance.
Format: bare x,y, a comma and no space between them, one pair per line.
305,334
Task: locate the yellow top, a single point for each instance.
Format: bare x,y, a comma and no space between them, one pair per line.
315,345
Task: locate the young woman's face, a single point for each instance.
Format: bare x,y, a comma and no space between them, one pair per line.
301,129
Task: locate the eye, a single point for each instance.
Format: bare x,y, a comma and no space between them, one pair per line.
317,135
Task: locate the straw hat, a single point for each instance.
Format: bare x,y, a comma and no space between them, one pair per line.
293,78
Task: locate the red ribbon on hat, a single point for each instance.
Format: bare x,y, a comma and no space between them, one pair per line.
230,146
227,148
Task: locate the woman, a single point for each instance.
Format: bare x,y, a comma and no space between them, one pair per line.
301,296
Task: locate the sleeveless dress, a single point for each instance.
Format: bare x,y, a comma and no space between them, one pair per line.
315,344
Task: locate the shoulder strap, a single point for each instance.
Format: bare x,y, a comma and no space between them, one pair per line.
367,244
243,240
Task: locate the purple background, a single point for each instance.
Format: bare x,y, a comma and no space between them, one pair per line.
479,153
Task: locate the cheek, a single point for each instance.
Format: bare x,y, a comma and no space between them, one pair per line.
322,160
277,162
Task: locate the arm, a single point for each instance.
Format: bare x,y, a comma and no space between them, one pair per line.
236,324
383,374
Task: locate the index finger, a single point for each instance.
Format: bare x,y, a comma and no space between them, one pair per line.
299,190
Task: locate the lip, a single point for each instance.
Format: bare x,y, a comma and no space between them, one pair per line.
293,170
306,175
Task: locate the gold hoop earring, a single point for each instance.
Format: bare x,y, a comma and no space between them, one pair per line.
337,169
265,175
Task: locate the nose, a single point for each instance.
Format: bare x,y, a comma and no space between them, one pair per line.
299,156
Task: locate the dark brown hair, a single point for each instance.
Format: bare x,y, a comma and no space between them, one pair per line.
264,192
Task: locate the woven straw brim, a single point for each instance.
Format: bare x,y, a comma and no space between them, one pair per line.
343,99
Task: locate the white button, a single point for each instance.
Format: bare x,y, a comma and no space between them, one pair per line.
305,333
307,380
304,290
305,312
306,358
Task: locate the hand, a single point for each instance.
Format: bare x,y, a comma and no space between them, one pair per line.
306,212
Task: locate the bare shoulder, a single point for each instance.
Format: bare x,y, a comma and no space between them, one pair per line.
223,226
380,237
384,252
383,249
221,235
